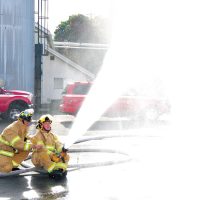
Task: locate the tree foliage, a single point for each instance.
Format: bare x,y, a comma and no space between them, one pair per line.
82,29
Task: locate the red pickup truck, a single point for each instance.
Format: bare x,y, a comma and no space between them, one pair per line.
12,102
132,106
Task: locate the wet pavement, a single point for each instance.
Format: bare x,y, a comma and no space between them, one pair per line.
138,178
103,182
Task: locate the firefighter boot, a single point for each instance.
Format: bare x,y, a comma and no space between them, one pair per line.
58,174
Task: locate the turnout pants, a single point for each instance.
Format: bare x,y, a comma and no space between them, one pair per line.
8,163
42,159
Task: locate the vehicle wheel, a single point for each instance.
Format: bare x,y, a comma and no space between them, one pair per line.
14,111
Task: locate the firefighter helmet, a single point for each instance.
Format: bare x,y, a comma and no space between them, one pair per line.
45,118
26,115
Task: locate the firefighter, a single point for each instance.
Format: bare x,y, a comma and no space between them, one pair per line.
14,143
53,156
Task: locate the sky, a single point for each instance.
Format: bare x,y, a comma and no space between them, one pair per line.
60,10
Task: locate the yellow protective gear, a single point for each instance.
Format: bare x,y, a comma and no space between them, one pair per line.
63,157
45,157
44,118
13,146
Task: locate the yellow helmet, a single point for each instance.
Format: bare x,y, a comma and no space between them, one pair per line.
45,118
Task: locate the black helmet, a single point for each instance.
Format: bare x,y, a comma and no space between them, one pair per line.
26,115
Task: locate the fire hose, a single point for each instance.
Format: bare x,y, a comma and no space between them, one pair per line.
31,168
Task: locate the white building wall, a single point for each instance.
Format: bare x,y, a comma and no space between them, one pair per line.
57,69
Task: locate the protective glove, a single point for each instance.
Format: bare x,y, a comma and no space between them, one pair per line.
55,158
64,156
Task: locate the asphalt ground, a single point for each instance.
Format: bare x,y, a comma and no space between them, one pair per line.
119,174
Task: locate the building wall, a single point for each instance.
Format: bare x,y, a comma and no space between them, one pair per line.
53,71
17,44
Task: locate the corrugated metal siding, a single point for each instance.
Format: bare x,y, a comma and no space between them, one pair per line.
17,44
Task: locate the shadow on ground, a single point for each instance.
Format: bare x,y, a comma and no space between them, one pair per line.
35,187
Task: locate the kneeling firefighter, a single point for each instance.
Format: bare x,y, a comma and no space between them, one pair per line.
14,143
53,156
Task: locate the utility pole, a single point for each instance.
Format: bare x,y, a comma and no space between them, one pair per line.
38,74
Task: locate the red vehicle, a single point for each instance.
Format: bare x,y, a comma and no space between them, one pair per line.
73,97
12,102
133,106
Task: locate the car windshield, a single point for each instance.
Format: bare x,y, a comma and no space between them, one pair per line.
82,89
